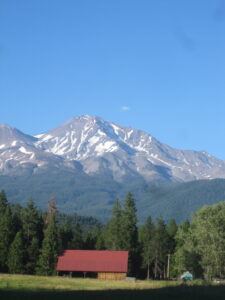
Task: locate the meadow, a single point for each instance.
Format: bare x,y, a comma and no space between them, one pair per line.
23,287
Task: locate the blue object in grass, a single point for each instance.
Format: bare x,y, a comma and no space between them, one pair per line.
187,276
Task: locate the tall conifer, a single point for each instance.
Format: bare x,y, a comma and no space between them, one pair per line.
147,240
31,224
6,231
48,257
160,244
16,255
129,233
114,237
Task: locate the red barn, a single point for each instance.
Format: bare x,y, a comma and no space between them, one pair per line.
106,264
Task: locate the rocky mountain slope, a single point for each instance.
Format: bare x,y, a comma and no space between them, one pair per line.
88,162
92,146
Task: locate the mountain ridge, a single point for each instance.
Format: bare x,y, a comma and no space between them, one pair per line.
100,146
87,163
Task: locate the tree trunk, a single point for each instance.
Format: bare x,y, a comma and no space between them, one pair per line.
148,271
156,266
168,267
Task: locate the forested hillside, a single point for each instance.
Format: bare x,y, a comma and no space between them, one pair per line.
94,196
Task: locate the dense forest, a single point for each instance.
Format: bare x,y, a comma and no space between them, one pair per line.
95,195
31,240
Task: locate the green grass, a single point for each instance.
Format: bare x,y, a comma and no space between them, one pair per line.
73,284
19,287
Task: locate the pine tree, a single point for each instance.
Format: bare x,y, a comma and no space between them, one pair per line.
16,255
32,253
160,244
65,236
49,251
129,232
30,221
6,231
3,202
114,238
147,240
16,216
171,228
77,238
101,240
31,224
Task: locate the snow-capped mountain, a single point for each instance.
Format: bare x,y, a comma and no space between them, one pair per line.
19,154
101,147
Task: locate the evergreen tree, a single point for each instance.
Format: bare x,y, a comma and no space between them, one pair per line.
101,240
48,257
114,237
32,254
77,238
129,233
31,222
65,236
171,228
16,255
31,225
6,231
3,202
160,245
147,239
90,238
16,217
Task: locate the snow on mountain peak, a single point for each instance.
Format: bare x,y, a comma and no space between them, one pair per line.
102,146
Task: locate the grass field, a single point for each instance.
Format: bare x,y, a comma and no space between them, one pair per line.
18,287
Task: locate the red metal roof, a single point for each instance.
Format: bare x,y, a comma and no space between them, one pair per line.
93,261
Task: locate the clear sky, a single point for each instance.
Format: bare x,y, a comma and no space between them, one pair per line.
157,65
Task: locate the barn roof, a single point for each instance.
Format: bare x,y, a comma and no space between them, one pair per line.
93,261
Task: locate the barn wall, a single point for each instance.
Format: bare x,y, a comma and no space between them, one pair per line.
112,276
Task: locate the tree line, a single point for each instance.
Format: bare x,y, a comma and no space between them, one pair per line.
31,240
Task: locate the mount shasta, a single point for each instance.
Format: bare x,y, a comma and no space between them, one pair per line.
88,157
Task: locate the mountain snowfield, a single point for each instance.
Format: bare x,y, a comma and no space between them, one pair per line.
94,146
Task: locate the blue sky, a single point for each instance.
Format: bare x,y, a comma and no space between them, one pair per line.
157,65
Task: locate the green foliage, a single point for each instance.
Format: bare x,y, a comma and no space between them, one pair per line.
6,231
77,239
208,230
171,229
32,231
197,246
129,224
147,240
65,236
200,246
121,232
48,257
160,244
32,254
129,232
186,257
3,202
16,255
114,235
95,195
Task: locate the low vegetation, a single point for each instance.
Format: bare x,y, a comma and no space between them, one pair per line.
26,287
28,282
